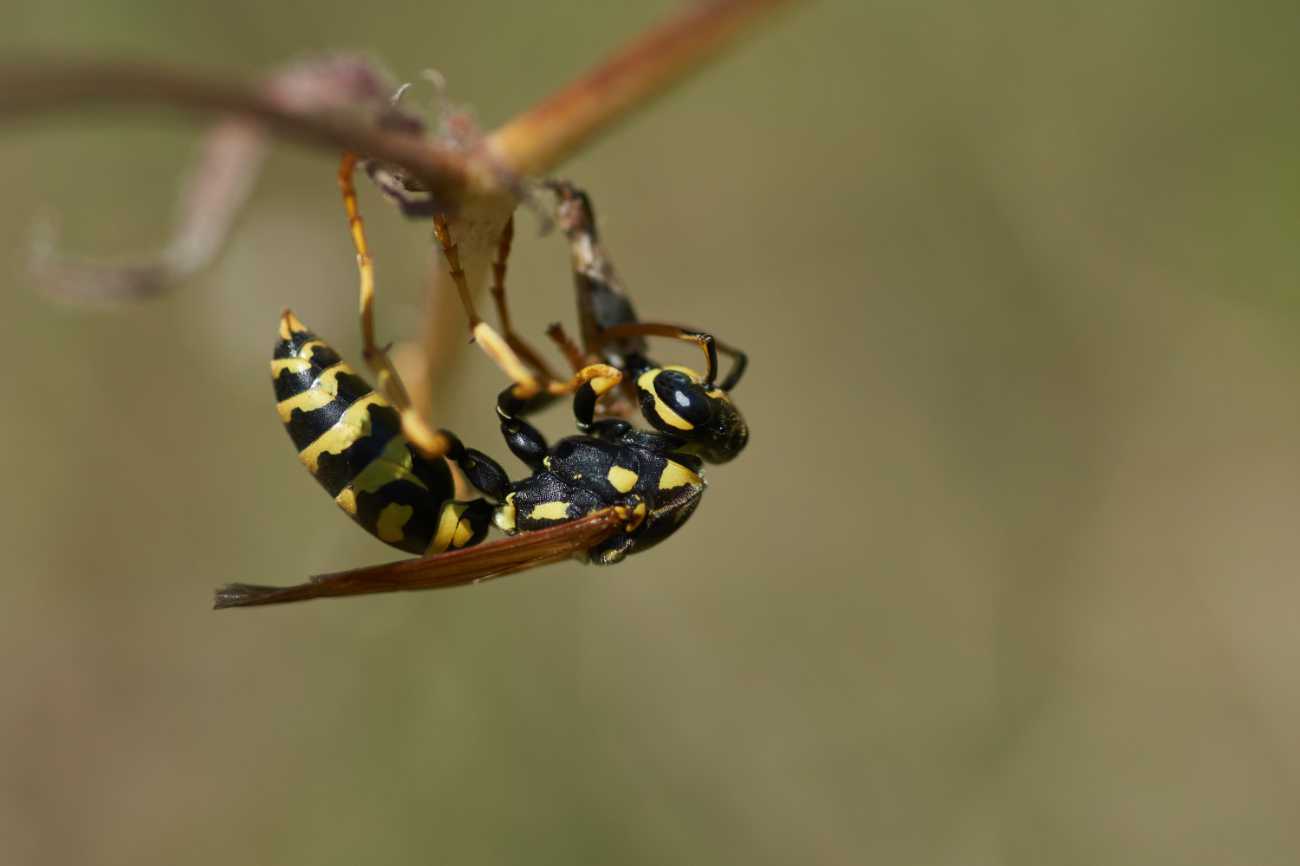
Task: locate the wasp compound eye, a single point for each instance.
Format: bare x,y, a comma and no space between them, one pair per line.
673,402
684,396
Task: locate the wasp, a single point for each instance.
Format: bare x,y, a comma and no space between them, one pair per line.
673,399
608,492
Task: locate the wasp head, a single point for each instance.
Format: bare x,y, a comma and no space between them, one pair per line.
676,401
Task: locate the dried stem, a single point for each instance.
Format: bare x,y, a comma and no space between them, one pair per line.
38,86
544,136
533,142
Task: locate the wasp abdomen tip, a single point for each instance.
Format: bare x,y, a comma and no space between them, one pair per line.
289,324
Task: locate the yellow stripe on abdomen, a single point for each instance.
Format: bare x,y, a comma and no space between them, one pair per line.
351,426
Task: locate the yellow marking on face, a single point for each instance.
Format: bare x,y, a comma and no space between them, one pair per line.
347,500
391,520
289,325
549,511
504,517
293,365
353,425
621,478
676,475
448,523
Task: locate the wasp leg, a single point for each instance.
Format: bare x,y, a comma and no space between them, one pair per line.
526,442
570,349
451,252
621,407
487,475
588,384
527,385
430,443
526,352
523,439
595,381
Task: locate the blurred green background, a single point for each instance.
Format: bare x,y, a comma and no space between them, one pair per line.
1007,574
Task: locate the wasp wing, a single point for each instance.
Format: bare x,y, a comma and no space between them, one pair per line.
455,568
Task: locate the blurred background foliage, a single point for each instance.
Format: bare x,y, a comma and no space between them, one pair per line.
1007,575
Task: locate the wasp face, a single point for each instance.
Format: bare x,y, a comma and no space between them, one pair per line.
676,401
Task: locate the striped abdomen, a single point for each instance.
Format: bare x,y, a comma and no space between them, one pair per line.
350,438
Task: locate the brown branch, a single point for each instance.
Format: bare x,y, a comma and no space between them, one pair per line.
37,86
545,135
533,142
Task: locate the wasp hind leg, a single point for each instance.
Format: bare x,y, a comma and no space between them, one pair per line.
485,473
521,347
527,384
451,252
430,443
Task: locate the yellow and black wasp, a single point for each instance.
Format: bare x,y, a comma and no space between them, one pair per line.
599,496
